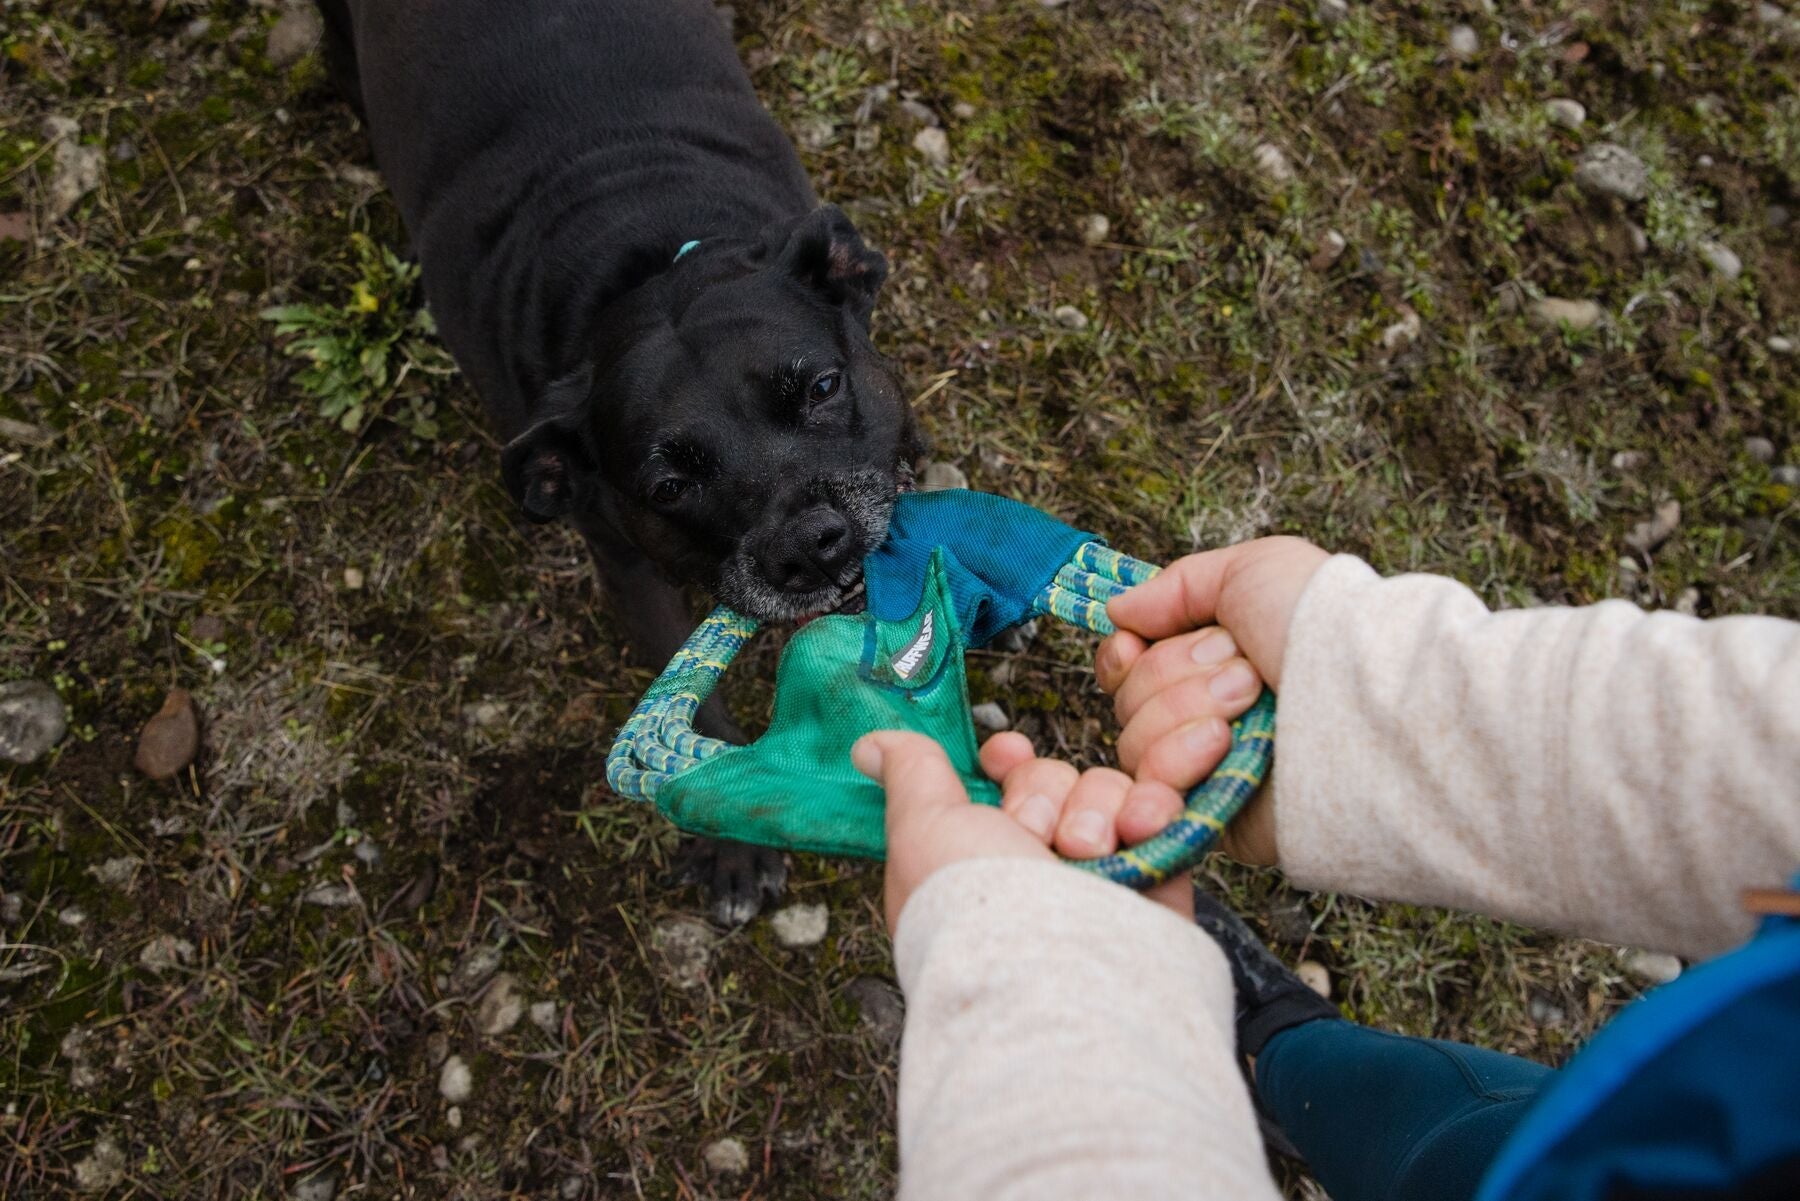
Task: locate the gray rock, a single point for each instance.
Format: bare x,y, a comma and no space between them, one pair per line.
1640,241
196,29
32,720
686,948
1464,43
1314,976
1647,535
546,1016
1576,314
1096,228
473,969
816,134
103,1168
1628,461
320,1186
1787,475
501,1006
118,872
1687,602
1273,162
484,715
1328,249
1404,332
294,35
1333,13
1608,169
333,895
1760,449
918,114
941,477
1070,318
1565,112
456,1083
800,926
990,718
933,145
962,110
1722,258
1289,923
880,1009
1653,967
1780,345
727,1157
1546,1012
73,916
75,170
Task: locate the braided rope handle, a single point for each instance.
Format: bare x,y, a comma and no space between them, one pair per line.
658,740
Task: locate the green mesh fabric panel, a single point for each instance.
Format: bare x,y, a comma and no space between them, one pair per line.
839,678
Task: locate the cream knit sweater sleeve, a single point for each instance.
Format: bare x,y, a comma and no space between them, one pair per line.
1602,771
1065,1039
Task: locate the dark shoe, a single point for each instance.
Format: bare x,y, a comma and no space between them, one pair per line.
1268,999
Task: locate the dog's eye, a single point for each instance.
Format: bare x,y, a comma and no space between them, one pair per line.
825,387
667,492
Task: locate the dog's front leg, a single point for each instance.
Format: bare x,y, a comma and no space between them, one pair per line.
652,611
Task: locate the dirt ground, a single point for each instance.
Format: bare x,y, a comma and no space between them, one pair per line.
1181,273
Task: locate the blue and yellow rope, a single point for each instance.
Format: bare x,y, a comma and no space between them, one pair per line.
658,740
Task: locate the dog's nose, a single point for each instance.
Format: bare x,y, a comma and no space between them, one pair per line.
811,552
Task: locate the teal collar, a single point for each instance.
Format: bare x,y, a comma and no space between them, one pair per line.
685,247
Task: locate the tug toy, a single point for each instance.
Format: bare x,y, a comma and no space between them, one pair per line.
957,569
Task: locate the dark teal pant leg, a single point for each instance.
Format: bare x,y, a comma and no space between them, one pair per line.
1383,1117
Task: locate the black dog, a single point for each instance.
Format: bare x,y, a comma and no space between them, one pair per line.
712,417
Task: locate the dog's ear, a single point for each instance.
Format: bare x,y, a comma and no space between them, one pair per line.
550,469
824,250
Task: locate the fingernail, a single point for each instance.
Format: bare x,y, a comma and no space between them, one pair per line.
865,757
1037,813
1216,647
1205,737
1088,828
1233,682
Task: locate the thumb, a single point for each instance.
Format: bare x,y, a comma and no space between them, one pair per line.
915,773
1184,596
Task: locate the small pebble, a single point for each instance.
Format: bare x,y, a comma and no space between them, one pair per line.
1653,967
1777,215
1688,602
353,579
801,926
1314,976
118,872
456,1083
1647,535
484,714
73,917
939,476
933,145
816,134
918,113
990,718
880,1008
294,35
453,1117
1576,314
727,1157
685,947
171,738
1403,332
1629,460
1608,169
1787,475
76,169
1546,1012
545,1016
331,896
1328,250
1565,112
1465,43
962,110
321,1186
1333,13
103,1168
1722,259
1272,161
501,1006
1780,345
1760,449
474,968
32,720
1070,317
1640,241
1095,229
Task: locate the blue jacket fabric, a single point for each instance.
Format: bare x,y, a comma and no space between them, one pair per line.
1691,1092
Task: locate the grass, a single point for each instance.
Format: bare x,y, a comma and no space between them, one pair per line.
408,692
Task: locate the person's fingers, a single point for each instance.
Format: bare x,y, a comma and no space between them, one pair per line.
1086,830
1169,662
1114,658
1183,596
914,772
1185,755
1033,794
1224,692
1004,752
1149,806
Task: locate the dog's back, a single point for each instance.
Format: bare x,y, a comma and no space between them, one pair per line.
548,154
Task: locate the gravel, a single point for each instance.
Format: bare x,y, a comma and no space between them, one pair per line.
1608,169
1649,534
1070,318
294,35
990,718
456,1083
1273,162
686,948
933,145
501,1006
1576,314
1722,259
1464,43
473,969
941,477
727,1157
1760,449
32,720
1095,229
1653,967
1314,976
801,926
1565,112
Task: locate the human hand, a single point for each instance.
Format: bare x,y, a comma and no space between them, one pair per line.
931,823
1173,697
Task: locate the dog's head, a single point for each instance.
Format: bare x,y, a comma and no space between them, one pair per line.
735,421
